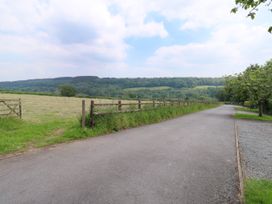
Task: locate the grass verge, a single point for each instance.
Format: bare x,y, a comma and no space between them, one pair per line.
245,109
258,191
252,117
17,135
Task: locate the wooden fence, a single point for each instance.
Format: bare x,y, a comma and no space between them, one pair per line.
124,107
11,107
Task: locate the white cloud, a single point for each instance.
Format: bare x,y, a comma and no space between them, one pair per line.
75,32
229,50
42,38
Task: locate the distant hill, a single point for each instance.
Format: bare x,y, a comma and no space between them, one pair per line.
93,86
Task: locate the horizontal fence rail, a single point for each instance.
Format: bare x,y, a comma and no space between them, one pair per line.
126,107
11,107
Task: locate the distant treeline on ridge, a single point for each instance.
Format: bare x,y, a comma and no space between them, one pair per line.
179,87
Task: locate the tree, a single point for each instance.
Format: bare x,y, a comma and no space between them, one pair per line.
254,85
253,7
67,90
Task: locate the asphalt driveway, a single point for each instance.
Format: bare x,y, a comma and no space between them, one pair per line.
190,159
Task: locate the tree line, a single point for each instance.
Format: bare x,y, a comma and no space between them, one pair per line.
253,87
92,86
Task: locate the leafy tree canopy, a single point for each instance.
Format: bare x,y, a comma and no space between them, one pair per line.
253,7
254,85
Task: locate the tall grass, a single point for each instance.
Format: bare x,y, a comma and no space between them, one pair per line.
118,121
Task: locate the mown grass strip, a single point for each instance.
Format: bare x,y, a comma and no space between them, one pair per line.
253,117
17,135
245,109
258,191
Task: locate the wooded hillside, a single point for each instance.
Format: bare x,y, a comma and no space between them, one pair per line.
123,87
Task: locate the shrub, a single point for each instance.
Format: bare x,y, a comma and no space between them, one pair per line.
67,90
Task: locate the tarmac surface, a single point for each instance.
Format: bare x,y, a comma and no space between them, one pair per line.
190,159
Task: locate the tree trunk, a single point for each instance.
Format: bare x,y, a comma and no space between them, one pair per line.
260,108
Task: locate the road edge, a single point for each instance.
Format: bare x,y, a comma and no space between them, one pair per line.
52,146
239,164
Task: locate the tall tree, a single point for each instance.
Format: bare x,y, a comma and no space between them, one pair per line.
253,85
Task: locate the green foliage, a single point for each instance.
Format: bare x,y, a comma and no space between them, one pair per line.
253,86
67,90
258,191
117,121
249,104
245,109
253,7
124,88
18,135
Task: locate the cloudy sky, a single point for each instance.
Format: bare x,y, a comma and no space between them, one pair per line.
128,38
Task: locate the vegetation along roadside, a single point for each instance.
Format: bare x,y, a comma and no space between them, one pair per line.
20,135
258,191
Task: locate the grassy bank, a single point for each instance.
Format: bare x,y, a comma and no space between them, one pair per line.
258,191
17,135
253,117
115,122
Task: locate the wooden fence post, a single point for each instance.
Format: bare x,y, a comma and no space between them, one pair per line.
154,104
139,104
20,108
83,119
92,114
164,103
119,105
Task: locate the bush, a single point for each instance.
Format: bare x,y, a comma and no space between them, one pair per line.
250,104
67,90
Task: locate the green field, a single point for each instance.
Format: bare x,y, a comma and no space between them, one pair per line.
206,87
161,88
157,88
38,108
49,120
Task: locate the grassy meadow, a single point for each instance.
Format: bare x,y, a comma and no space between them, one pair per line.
206,87
49,120
37,108
157,88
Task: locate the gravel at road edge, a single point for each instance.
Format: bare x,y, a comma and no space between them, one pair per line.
256,148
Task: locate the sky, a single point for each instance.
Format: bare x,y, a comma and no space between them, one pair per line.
128,38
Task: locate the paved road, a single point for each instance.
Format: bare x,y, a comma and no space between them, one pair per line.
186,160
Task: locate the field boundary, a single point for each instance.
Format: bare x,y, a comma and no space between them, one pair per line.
127,107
